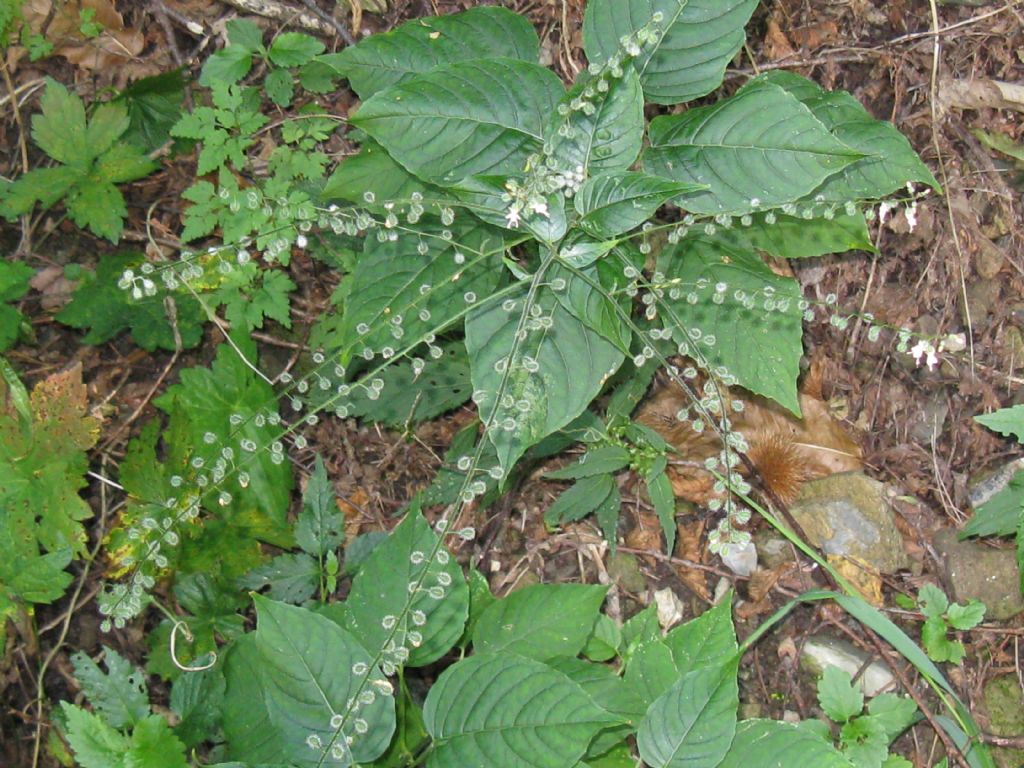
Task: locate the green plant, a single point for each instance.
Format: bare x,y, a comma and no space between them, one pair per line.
14,278
940,617
91,161
863,738
1002,513
498,241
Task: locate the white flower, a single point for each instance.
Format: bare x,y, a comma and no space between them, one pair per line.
540,207
925,349
953,342
512,217
884,210
911,214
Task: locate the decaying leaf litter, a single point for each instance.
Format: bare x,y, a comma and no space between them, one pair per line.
942,73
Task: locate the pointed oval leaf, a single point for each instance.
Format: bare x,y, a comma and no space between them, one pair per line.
506,710
308,674
610,139
693,723
760,148
484,116
613,203
381,61
381,609
774,744
698,38
889,162
540,621
793,237
752,326
399,294
552,374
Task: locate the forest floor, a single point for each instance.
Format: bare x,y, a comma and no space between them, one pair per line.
961,269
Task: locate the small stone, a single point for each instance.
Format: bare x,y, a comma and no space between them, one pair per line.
1013,348
974,571
772,549
741,560
823,651
670,608
982,296
926,424
989,258
624,570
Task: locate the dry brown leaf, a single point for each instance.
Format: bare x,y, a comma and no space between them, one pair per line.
111,50
815,36
690,546
776,44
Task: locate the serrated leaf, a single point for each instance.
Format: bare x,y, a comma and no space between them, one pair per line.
889,162
770,744
95,744
863,740
264,296
698,39
197,698
119,695
245,33
205,401
121,163
60,130
291,578
932,601
14,283
279,87
106,310
895,713
693,723
417,46
292,49
106,125
580,499
98,206
838,696
1008,422
286,685
760,148
320,527
964,617
43,185
154,745
760,347
399,294
504,710
435,608
228,65
540,621
570,363
610,139
453,122
154,105
610,204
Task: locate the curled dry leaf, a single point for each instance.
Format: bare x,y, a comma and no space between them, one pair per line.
115,45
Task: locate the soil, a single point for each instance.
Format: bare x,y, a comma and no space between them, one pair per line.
961,269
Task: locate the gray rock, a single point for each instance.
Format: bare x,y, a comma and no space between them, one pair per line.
741,560
849,514
974,571
624,570
823,651
1004,704
772,549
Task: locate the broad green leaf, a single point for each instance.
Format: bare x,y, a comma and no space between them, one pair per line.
413,397
731,310
98,206
758,149
399,294
580,499
250,735
485,197
774,744
932,601
697,40
610,139
895,713
1008,422
704,641
863,741
279,86
889,161
838,696
106,310
613,203
410,593
540,621
119,695
14,283
292,49
320,527
1001,514
106,125
549,378
154,745
793,237
373,170
456,121
154,105
95,744
292,578
43,185
505,710
122,162
964,617
245,33
693,723
421,45
604,460
60,131
311,669
594,295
